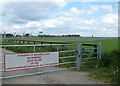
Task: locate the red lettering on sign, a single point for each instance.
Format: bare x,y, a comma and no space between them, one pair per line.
47,54
33,57
29,60
31,66
24,55
36,63
28,57
39,60
36,57
41,64
31,63
31,54
42,54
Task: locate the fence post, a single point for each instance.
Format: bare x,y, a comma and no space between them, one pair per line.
58,51
50,43
34,48
34,52
95,50
78,56
57,48
100,51
4,50
34,42
41,43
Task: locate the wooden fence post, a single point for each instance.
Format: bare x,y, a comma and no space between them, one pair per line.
95,50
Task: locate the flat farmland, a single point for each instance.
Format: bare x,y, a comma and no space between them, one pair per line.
60,39
108,44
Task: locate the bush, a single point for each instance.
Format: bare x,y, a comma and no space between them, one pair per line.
111,59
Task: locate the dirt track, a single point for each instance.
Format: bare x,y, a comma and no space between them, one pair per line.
59,77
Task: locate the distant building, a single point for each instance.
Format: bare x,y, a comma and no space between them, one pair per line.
9,35
27,35
75,35
18,35
6,35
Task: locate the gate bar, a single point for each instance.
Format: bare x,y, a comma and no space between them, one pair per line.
36,45
37,73
67,57
67,62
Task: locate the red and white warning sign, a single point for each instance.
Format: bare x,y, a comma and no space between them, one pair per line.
24,61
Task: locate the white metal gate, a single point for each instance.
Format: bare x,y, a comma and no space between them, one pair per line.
75,58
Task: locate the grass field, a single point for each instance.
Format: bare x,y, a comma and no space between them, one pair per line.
108,44
61,39
106,70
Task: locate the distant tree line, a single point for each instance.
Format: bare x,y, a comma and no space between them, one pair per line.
28,35
8,35
58,35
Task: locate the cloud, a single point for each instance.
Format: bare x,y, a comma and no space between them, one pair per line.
107,7
89,21
93,9
105,25
22,12
72,21
96,8
66,25
92,0
110,18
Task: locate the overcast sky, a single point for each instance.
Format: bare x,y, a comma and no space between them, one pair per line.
60,17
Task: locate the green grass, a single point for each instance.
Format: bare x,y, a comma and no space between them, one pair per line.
107,69
106,74
60,39
108,44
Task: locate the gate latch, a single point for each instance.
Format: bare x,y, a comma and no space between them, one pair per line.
81,52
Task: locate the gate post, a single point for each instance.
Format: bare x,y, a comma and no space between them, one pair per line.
79,56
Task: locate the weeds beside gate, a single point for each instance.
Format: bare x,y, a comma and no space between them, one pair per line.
74,58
